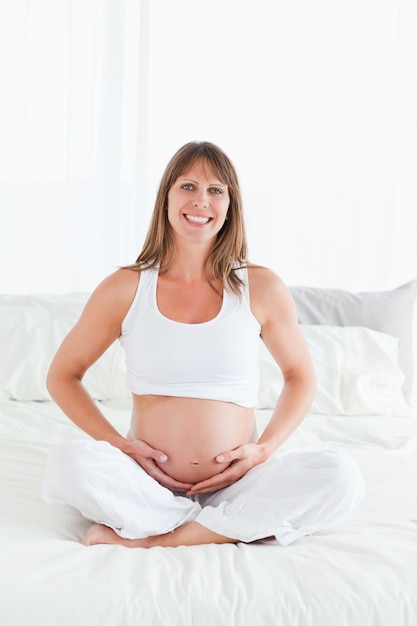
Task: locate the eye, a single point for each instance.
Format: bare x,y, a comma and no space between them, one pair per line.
215,190
187,186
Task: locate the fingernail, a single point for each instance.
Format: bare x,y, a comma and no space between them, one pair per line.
163,458
220,458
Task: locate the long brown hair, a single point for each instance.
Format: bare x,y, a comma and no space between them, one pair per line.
230,248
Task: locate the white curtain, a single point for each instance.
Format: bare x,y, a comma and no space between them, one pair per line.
315,101
69,135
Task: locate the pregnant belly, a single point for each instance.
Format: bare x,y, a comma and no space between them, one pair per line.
191,432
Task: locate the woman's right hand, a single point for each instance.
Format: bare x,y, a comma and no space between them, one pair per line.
150,460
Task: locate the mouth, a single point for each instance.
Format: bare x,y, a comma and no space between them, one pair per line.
197,219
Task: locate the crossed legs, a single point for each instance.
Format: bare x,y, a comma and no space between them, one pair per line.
286,498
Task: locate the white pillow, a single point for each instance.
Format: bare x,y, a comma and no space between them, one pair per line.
357,371
31,330
390,312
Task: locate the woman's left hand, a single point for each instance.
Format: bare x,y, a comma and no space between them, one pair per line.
238,462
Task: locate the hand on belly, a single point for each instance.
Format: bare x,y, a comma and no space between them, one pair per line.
191,433
191,469
192,452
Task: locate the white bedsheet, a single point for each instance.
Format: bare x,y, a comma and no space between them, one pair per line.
363,571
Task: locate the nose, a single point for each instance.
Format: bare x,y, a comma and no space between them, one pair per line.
201,198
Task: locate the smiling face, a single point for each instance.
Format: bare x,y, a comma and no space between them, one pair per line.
197,205
214,222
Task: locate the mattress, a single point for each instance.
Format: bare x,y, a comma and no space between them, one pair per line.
362,571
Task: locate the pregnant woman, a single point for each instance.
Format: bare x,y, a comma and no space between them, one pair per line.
190,314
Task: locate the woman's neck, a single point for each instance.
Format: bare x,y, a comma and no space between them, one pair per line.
189,264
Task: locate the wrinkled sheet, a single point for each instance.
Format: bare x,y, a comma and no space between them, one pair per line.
364,571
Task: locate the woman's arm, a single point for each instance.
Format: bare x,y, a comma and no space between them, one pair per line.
282,336
273,306
98,327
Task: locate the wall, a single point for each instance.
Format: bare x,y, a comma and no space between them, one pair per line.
314,101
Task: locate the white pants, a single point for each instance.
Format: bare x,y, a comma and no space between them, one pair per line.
286,498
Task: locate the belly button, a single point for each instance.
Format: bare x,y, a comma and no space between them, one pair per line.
195,463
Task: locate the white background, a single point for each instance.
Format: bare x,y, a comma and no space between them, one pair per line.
315,101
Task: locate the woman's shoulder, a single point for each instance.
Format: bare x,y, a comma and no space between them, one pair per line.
268,292
120,282
116,292
261,277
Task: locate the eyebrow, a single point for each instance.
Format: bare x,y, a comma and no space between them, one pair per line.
217,183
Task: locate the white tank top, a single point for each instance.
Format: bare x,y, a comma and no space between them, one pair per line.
214,360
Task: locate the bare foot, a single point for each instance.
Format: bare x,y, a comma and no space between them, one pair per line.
190,534
98,533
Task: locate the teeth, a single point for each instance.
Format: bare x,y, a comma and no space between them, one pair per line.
197,219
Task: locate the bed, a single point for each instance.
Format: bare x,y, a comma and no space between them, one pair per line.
363,571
